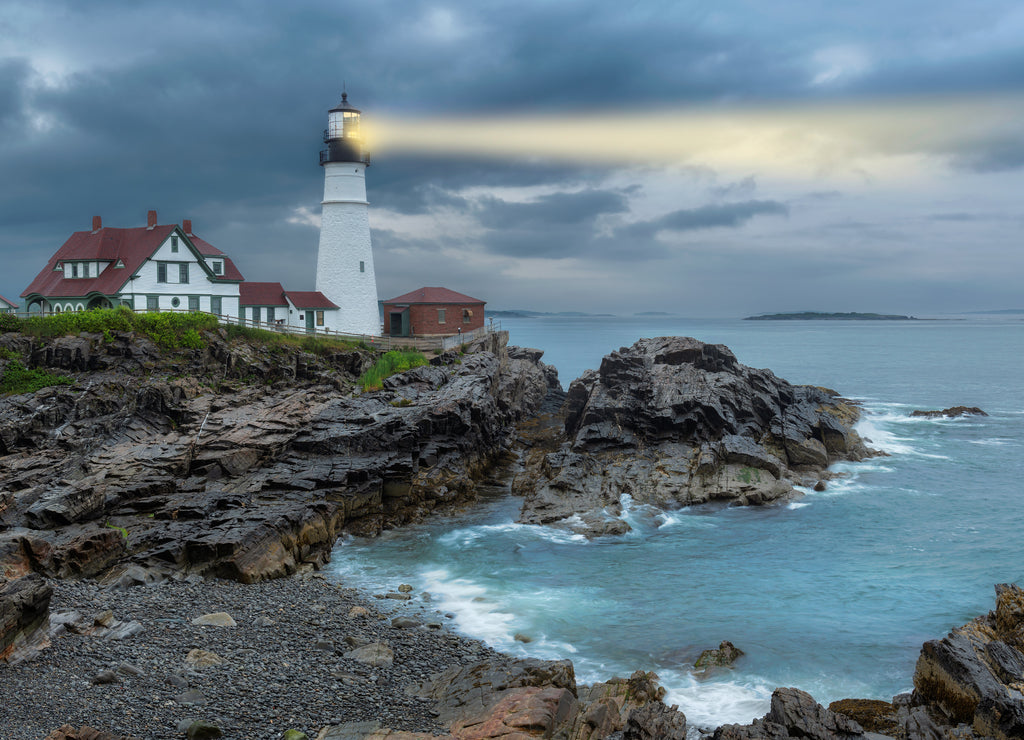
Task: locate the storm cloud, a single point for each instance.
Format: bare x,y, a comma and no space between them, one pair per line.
215,112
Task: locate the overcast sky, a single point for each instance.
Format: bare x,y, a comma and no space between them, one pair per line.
705,159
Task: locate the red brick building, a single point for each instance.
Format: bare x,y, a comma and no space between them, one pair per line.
432,312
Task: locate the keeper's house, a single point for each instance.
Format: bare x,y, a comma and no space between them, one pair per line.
151,267
270,303
432,312
7,306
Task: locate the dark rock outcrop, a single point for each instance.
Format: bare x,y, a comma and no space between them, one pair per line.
673,421
24,610
794,714
952,412
533,698
974,676
241,460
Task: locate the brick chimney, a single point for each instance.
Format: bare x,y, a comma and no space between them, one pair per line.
151,220
97,223
186,226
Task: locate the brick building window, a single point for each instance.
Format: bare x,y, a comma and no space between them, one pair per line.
440,315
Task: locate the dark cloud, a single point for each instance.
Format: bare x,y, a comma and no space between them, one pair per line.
726,215
214,111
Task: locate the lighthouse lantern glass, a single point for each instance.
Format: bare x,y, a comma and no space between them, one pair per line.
343,125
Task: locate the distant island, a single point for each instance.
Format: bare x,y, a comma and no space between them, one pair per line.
653,313
819,315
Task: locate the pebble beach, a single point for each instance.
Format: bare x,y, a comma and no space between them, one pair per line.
295,658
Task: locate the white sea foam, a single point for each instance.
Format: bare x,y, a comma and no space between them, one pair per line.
712,703
797,504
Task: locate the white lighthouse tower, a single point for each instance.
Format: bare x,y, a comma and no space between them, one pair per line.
344,260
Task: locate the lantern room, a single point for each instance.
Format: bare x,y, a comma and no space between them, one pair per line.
342,135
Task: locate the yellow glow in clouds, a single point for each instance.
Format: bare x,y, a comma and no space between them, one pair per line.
797,141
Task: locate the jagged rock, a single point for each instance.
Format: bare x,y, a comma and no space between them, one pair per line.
951,412
244,480
794,714
975,675
725,655
464,692
24,608
673,421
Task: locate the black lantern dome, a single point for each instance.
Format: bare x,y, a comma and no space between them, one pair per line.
342,136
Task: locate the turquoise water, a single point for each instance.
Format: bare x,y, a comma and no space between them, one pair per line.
833,593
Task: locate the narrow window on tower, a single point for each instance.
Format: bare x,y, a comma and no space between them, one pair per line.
362,266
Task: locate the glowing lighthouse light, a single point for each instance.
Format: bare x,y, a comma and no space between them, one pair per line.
344,261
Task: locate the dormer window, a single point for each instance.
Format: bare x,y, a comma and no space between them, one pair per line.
74,269
218,267
174,244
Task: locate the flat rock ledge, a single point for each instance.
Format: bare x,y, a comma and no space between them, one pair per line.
673,421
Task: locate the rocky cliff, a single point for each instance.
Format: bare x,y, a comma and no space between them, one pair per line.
239,460
672,421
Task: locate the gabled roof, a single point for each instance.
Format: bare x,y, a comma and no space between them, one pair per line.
131,246
261,294
208,250
309,299
434,295
9,303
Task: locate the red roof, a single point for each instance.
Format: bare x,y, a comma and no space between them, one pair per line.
208,250
131,246
4,300
309,299
261,294
434,295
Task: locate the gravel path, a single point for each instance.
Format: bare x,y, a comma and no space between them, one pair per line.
284,663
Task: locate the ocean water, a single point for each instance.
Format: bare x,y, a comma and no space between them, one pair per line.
834,593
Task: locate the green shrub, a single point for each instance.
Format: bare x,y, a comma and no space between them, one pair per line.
9,322
395,361
169,330
19,379
312,343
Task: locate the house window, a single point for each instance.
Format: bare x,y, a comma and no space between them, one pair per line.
74,269
270,315
152,303
256,313
440,315
120,264
362,266
319,318
183,272
85,269
215,304
218,268
174,244
161,272
175,302
193,303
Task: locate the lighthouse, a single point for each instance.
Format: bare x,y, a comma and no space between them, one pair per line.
344,259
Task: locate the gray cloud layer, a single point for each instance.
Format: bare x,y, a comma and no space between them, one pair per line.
214,112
